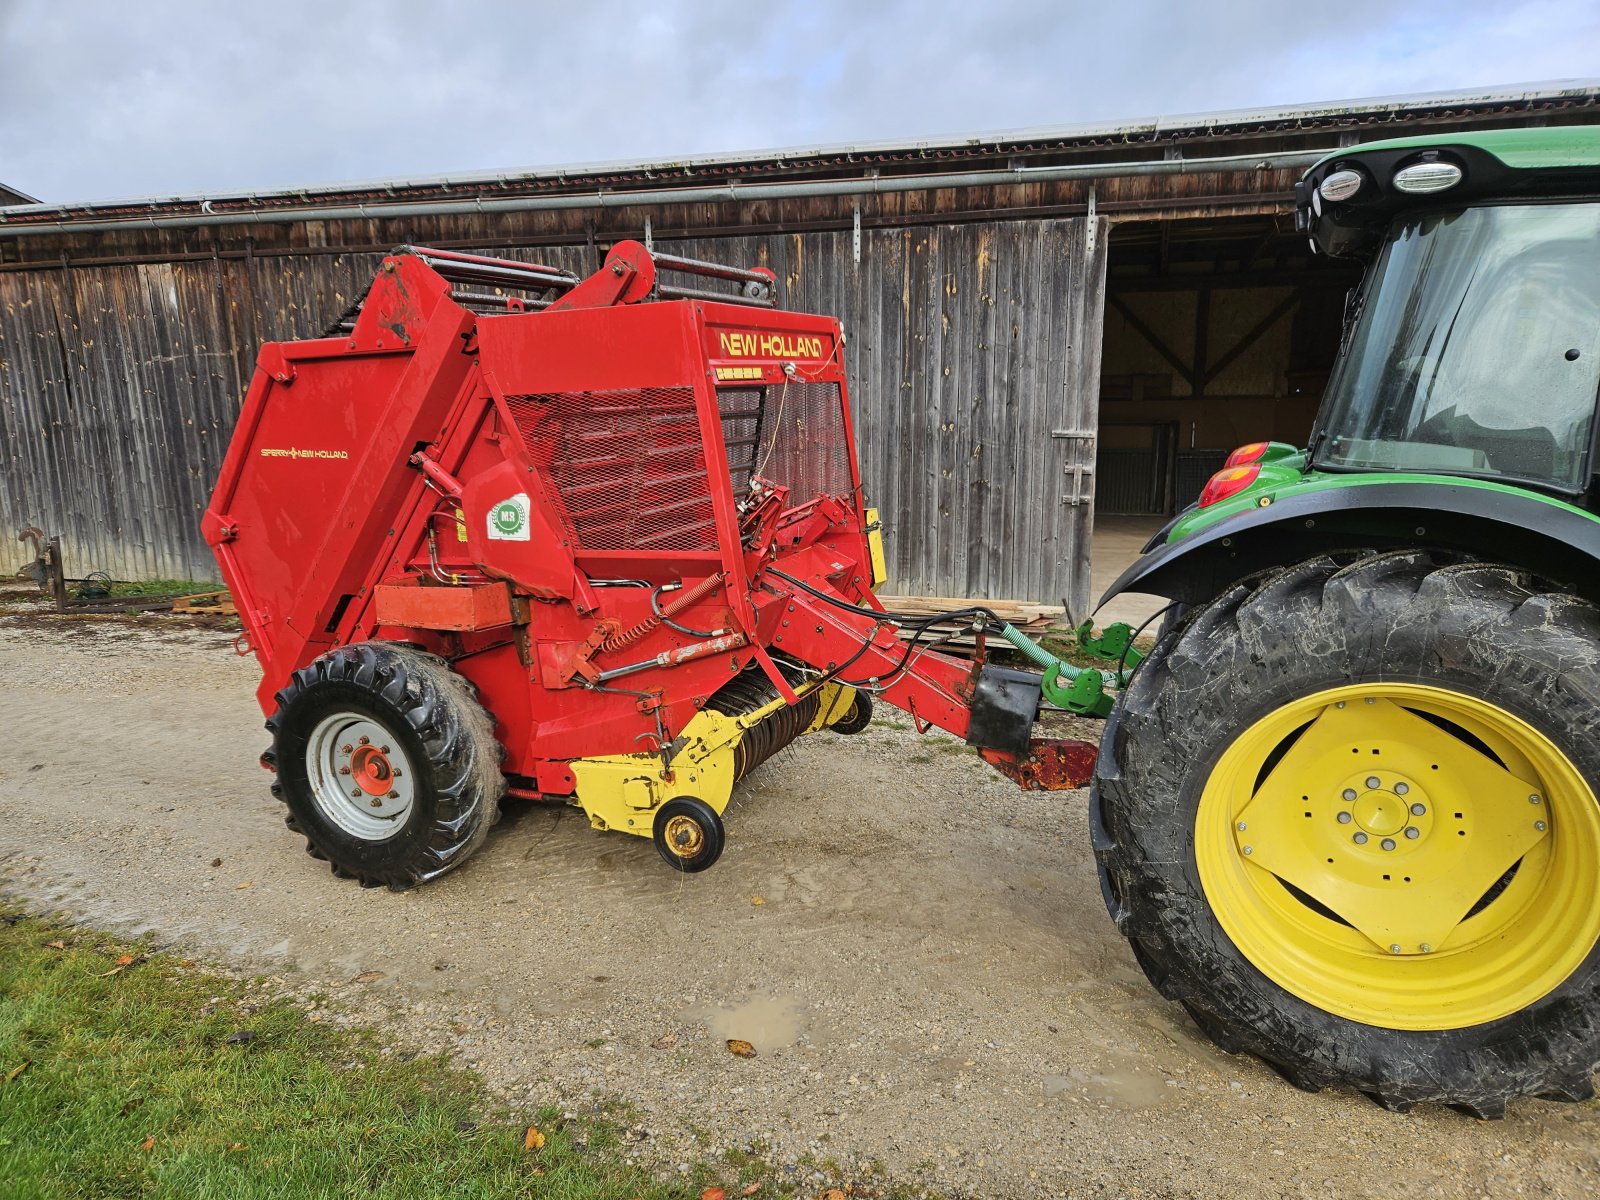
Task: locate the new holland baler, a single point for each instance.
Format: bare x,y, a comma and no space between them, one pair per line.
510,532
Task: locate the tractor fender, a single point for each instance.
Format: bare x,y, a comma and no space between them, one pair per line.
1555,541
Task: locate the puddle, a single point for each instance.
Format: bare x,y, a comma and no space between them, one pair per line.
766,1022
1127,1088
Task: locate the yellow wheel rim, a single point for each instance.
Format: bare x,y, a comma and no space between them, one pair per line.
1402,855
684,837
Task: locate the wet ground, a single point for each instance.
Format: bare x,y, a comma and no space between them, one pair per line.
916,951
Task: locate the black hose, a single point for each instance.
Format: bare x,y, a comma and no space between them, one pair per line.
912,620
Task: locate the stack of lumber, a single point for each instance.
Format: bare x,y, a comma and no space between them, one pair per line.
1032,619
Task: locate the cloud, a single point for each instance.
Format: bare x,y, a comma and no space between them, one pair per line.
164,97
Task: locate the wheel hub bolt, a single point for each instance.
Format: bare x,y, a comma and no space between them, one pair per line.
1345,818
366,741
1539,825
1413,833
344,770
1249,849
1425,948
355,791
1349,793
1241,826
383,749
1533,799
392,796
1387,843
1360,839
377,802
347,748
1374,782
1394,948
1418,810
1400,789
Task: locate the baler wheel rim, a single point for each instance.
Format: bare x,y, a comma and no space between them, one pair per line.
691,817
360,775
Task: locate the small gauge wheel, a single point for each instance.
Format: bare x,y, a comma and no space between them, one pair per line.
858,718
689,834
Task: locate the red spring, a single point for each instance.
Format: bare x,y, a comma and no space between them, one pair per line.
694,595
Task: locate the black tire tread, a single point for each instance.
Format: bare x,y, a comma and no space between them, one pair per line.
457,736
1247,647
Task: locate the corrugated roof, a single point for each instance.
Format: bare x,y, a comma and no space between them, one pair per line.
858,158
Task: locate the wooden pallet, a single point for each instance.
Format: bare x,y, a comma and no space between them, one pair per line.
1032,619
206,603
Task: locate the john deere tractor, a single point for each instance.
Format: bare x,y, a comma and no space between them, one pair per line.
1346,811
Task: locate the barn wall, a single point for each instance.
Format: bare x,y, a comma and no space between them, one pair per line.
969,344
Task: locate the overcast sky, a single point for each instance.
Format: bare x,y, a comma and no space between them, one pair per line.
132,97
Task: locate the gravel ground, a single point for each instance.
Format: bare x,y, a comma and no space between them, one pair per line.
917,951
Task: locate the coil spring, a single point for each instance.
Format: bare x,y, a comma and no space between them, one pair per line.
627,637
747,693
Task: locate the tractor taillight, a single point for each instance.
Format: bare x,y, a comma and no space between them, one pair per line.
1229,482
1245,455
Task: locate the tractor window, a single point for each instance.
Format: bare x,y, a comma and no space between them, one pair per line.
1475,350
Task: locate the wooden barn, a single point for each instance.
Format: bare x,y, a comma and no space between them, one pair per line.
1045,327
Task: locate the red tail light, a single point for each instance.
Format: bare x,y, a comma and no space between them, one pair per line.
1245,455
1229,481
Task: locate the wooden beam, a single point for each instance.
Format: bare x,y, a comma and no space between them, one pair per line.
1202,341
1253,335
1311,277
1153,338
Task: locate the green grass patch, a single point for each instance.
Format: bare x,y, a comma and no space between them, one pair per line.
126,1075
164,587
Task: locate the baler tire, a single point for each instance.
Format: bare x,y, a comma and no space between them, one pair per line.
443,733
858,718
706,826
1482,637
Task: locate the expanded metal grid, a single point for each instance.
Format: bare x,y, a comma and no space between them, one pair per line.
628,464
797,431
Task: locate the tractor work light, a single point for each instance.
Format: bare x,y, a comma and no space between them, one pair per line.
1341,185
1425,177
1229,482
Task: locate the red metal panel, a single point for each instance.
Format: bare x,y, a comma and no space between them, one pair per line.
410,606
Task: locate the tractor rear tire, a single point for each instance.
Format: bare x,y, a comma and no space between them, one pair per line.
387,762
1419,919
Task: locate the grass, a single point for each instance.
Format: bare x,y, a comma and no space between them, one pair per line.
125,1073
164,587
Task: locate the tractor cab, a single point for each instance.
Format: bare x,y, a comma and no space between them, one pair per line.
1472,348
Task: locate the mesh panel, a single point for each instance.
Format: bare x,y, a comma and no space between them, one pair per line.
628,464
798,434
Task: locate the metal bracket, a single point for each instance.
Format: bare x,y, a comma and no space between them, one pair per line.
1078,470
649,236
1089,231
855,234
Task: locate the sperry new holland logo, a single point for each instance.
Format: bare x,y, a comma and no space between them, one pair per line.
508,520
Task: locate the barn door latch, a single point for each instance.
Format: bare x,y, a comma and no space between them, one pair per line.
1081,467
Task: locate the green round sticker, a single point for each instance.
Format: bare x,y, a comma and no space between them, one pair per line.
508,517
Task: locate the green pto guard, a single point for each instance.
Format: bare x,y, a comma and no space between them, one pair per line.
1077,689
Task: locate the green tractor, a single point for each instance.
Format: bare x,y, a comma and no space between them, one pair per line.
1346,808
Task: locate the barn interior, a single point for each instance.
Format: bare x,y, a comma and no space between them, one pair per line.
1218,332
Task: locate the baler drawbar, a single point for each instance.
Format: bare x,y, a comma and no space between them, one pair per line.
511,532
